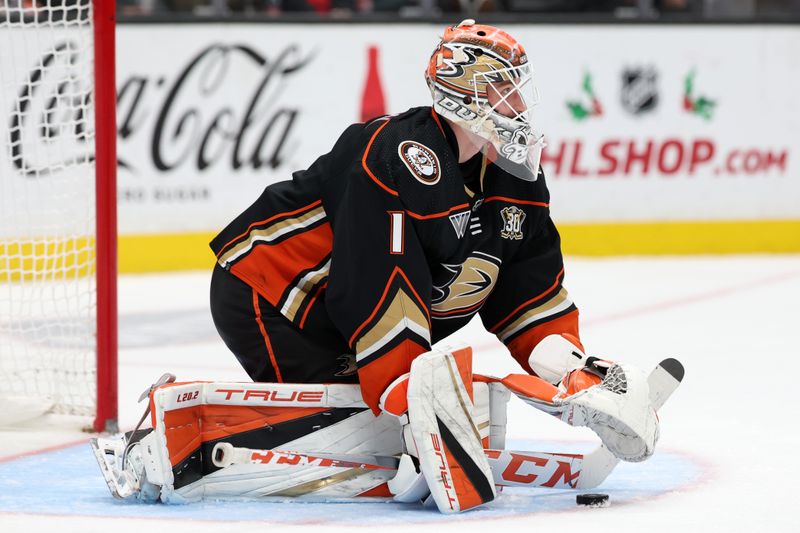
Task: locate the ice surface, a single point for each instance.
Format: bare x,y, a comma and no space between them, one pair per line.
725,461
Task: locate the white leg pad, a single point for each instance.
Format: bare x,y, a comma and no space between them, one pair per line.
447,440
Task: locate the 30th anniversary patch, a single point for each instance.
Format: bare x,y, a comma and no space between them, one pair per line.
421,161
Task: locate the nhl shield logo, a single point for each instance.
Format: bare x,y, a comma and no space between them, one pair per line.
512,218
639,90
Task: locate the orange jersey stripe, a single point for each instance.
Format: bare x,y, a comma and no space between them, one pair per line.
438,122
437,215
268,344
311,303
364,161
514,201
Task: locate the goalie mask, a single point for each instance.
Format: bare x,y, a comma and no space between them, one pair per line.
480,79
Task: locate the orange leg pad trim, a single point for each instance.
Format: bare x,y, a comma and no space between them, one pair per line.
187,428
463,358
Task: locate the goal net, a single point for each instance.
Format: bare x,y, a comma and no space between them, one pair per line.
57,342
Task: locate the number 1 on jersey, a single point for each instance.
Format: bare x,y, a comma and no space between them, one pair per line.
396,227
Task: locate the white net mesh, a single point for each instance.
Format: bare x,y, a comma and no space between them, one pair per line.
47,212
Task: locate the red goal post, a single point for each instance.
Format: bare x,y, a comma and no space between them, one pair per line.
104,15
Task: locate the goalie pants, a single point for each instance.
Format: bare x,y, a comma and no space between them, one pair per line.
269,346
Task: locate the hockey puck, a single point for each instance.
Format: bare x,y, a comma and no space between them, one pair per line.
592,500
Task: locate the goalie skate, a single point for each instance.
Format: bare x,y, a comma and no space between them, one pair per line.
120,457
122,465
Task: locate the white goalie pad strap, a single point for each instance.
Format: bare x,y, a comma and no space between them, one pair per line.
448,442
619,411
160,471
481,411
498,413
278,475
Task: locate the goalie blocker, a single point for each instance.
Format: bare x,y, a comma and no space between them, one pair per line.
321,442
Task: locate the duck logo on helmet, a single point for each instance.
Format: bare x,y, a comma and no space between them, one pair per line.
421,161
453,60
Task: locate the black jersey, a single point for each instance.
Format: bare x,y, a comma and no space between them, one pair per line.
401,246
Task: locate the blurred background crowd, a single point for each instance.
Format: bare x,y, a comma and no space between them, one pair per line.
343,9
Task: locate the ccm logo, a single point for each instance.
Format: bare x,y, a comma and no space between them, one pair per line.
274,396
443,471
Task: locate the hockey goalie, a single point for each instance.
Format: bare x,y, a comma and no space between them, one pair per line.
332,288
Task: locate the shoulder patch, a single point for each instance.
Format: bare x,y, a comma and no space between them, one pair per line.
421,161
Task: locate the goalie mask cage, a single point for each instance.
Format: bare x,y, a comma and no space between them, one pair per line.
58,325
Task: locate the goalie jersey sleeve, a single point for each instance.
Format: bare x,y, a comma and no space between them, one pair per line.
530,301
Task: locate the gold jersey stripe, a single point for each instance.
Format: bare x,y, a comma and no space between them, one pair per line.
402,313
